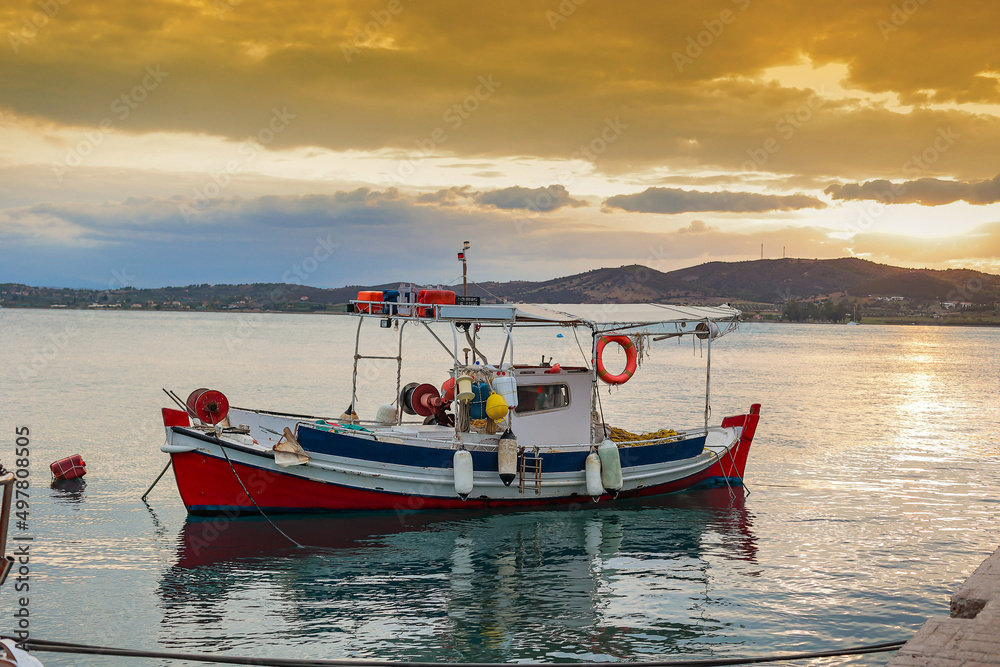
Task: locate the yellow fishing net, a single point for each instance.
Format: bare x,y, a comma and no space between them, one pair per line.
487,426
621,435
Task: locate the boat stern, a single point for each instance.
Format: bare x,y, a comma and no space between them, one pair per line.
733,465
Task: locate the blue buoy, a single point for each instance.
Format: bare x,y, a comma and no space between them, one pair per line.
559,335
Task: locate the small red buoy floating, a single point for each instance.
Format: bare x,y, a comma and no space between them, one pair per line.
70,467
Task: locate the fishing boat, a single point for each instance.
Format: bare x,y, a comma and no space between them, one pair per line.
506,434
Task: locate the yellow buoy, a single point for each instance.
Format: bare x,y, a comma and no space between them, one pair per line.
496,407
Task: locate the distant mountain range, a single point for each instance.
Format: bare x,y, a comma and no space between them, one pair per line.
760,281
767,281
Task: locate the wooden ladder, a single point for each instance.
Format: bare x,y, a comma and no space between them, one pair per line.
530,465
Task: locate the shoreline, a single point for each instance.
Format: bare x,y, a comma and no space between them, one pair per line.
968,635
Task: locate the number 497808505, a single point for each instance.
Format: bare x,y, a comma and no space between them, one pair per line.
22,472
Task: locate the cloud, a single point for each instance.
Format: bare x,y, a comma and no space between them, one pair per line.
380,236
371,236
540,200
156,219
237,219
926,191
697,227
412,80
981,243
537,199
452,196
673,200
376,235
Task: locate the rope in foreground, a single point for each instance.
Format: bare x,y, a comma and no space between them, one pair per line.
84,649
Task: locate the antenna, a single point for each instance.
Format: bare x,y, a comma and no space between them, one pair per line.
762,251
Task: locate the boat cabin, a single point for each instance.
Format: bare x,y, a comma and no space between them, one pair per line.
553,405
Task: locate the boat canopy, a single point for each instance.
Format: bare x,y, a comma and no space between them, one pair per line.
633,318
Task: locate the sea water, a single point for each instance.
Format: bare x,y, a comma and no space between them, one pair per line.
873,482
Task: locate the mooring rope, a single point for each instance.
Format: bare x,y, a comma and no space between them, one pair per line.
86,649
273,525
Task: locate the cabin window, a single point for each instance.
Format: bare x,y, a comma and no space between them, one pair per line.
538,397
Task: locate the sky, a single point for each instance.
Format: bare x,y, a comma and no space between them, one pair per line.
173,142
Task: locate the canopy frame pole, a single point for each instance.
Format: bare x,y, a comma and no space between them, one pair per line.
508,342
399,376
708,378
595,398
510,337
454,355
354,378
586,362
458,406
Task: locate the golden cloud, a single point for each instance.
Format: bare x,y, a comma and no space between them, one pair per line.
926,191
681,81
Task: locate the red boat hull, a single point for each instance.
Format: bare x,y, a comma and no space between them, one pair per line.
208,486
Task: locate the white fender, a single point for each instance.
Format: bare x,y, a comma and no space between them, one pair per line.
611,466
595,488
462,463
386,415
507,457
171,448
505,385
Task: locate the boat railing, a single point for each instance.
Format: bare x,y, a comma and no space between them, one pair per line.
382,430
403,311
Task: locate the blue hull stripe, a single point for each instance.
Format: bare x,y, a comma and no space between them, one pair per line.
335,444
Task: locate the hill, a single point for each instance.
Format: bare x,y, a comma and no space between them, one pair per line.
759,281
777,280
627,284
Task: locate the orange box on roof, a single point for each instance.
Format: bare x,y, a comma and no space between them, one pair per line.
369,296
444,297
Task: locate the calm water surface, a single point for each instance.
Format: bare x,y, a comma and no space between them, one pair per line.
875,481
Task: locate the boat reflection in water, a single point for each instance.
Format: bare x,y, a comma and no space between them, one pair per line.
620,582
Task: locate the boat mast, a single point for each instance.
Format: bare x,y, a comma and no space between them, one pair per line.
465,267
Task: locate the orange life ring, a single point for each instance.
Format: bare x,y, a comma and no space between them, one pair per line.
631,359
